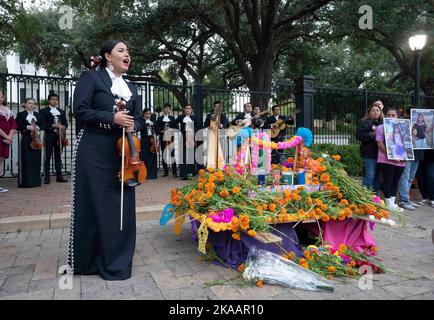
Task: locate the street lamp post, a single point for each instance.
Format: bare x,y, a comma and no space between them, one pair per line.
417,43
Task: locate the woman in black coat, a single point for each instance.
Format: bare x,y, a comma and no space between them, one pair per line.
368,147
188,125
97,243
29,161
147,134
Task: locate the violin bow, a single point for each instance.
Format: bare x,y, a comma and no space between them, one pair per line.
118,102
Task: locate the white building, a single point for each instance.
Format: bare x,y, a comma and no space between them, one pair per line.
25,80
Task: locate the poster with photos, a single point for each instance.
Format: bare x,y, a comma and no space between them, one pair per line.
422,128
397,134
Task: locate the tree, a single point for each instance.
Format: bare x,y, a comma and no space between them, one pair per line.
256,31
393,23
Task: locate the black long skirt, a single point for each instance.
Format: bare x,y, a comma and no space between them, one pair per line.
98,244
150,159
29,166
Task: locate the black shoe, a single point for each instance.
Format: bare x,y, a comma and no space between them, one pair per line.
165,175
61,179
46,181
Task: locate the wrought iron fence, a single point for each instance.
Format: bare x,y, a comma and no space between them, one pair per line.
335,113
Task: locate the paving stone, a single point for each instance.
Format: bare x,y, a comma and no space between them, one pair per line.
190,293
46,268
36,285
91,284
423,296
15,284
115,294
409,288
147,290
35,295
226,292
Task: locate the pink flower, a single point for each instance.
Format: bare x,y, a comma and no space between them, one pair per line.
377,199
223,216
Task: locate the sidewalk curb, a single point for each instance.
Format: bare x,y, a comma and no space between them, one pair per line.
61,220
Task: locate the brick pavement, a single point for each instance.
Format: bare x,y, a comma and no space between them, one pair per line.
56,197
166,267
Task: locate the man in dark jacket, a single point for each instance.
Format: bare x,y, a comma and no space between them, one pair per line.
54,120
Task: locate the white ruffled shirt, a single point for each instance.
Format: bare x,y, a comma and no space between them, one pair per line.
54,111
30,117
166,118
119,86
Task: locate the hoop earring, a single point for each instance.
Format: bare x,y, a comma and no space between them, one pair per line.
110,66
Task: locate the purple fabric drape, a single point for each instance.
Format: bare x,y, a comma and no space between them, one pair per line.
234,252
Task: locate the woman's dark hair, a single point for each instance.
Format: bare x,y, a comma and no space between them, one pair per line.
420,114
107,48
394,109
4,102
27,100
374,105
146,110
167,105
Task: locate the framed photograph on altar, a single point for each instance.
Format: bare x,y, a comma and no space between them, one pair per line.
397,134
422,128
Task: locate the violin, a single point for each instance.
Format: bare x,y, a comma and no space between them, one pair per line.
62,134
134,172
153,148
36,143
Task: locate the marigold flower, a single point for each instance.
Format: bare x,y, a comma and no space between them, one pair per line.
324,207
224,193
344,202
342,247
251,233
241,267
211,170
325,177
336,157
201,172
272,207
331,269
283,211
236,190
340,195
236,236
291,255
323,169
260,284
325,218
307,254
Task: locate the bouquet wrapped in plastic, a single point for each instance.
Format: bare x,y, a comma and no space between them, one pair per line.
274,269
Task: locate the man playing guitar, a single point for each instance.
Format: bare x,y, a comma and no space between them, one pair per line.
277,123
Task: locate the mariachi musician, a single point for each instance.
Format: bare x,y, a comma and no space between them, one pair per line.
247,114
54,121
29,124
275,121
97,244
188,124
149,144
166,139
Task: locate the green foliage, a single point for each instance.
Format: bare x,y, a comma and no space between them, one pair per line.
350,156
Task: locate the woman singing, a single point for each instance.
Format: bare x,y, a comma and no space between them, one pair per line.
188,125
97,245
29,123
